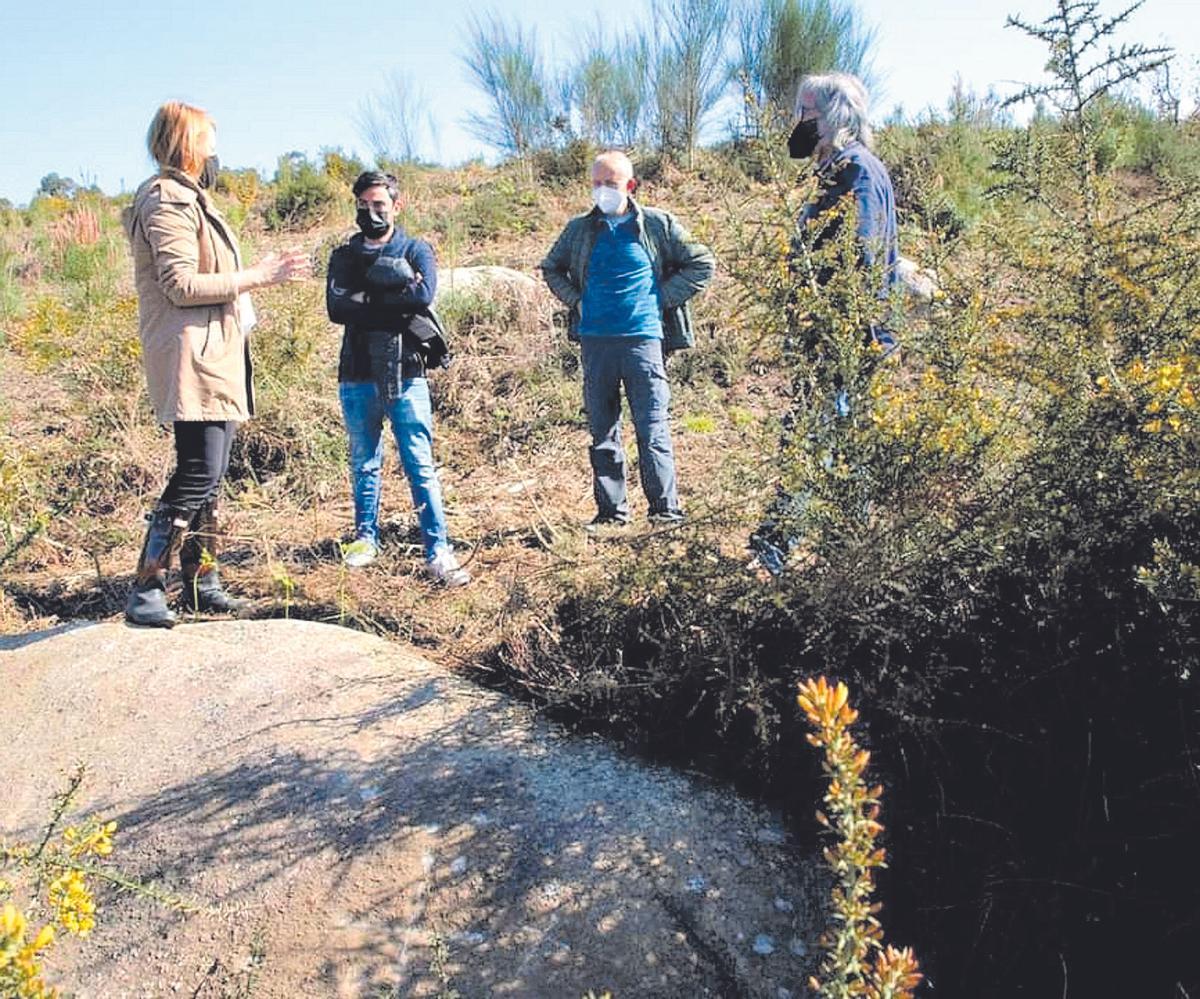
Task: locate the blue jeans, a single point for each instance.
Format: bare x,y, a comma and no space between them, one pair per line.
637,363
411,415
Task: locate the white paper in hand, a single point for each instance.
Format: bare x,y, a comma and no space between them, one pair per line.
246,315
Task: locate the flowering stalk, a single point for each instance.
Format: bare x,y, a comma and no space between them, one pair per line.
856,962
67,862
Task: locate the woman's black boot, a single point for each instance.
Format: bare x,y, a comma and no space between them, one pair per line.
202,589
147,604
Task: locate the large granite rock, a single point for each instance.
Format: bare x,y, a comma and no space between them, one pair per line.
355,821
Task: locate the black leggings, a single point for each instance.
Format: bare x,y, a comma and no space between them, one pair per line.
202,450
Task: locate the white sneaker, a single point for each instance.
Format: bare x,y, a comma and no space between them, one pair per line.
445,569
359,553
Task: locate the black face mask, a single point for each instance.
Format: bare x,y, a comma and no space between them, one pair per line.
208,172
803,140
373,226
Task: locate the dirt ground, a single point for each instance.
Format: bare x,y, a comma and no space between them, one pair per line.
352,820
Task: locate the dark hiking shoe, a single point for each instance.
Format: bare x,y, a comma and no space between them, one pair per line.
147,606
204,592
605,523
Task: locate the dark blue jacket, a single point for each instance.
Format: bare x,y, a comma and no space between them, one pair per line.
856,171
382,312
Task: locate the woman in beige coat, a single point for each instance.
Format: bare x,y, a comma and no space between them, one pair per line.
194,320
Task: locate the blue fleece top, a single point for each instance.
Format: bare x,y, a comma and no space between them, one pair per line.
620,297
856,170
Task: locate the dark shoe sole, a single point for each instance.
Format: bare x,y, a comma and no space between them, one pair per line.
211,602
158,622
607,524
207,608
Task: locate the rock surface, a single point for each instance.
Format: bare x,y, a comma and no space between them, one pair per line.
464,279
354,821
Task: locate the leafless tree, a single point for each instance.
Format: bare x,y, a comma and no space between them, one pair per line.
395,121
506,64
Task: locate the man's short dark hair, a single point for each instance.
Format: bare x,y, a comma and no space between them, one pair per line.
377,178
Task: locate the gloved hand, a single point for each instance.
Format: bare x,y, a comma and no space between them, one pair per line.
391,274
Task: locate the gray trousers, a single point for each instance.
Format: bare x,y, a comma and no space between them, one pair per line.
637,363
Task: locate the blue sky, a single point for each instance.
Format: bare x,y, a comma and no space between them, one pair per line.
79,81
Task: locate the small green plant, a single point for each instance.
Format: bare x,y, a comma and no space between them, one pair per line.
440,966
699,423
207,564
463,311
285,584
246,986
343,600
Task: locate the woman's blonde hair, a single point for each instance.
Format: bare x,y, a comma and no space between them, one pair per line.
174,136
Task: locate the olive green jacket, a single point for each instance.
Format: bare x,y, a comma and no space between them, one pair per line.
681,268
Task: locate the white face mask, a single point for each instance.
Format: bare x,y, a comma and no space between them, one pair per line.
608,199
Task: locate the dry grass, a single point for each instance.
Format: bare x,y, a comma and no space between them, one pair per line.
509,433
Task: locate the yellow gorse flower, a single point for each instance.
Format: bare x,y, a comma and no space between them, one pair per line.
74,906
12,933
20,972
852,816
95,839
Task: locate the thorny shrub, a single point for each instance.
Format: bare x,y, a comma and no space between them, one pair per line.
993,535
856,961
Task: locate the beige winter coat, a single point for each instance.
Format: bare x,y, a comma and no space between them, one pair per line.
185,262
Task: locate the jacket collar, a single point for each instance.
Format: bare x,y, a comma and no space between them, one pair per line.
359,241
639,216
181,180
184,185
830,166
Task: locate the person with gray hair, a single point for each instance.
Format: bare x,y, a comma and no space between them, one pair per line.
832,127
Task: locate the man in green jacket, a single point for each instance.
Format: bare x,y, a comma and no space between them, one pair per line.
626,273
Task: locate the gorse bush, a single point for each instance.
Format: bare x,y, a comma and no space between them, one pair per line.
341,167
992,535
304,195
96,346
242,188
856,961
57,880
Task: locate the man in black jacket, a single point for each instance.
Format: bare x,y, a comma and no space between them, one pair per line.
380,286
